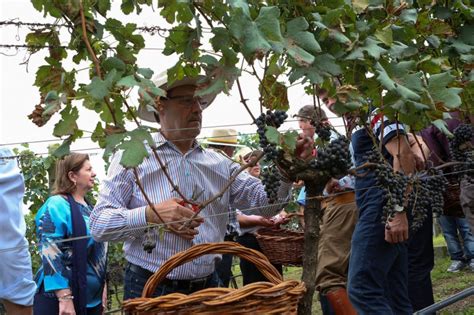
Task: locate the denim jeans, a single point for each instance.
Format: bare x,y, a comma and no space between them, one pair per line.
135,282
450,227
420,264
378,271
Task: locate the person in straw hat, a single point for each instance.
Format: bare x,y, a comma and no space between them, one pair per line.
225,141
122,212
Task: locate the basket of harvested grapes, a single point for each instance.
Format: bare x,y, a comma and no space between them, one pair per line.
281,246
273,297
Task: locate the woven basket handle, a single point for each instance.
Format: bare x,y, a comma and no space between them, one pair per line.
253,256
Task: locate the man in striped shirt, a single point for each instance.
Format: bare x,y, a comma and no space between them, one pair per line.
378,267
122,212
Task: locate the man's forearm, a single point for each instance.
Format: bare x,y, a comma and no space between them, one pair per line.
108,224
403,157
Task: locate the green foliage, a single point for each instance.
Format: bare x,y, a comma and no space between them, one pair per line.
34,169
414,58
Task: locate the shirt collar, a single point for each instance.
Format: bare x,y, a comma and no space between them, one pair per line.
160,140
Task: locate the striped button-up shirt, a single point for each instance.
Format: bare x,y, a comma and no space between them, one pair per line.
121,205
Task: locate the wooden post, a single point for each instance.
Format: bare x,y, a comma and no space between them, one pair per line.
312,216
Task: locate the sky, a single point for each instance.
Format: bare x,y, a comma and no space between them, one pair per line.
18,96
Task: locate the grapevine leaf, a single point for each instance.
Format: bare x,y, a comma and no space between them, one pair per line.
127,6
409,16
274,93
385,35
273,135
300,43
52,102
391,85
360,5
134,149
443,126
437,86
98,88
111,143
128,81
400,50
63,149
255,36
173,10
103,6
67,125
289,140
145,72
114,63
324,66
219,76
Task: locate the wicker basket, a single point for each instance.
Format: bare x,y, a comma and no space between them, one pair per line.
274,297
281,246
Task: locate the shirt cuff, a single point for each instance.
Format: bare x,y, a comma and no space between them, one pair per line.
136,217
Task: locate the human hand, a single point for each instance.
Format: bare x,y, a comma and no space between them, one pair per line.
279,219
304,147
66,307
420,151
396,228
333,186
174,214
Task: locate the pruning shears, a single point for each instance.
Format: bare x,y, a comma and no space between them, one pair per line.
194,198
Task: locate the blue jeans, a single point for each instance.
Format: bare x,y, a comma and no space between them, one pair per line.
135,282
420,264
378,271
450,227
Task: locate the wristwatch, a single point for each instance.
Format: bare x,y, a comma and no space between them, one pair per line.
398,209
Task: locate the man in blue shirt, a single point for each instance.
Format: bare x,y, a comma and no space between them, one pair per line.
378,267
17,289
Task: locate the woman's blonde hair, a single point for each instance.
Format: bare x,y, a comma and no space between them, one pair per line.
70,163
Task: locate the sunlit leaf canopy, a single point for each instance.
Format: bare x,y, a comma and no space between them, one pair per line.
413,59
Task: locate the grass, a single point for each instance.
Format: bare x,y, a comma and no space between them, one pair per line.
439,240
445,284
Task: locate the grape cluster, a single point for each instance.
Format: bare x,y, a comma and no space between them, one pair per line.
323,130
393,184
462,151
270,178
271,181
334,159
275,119
149,242
428,194
425,191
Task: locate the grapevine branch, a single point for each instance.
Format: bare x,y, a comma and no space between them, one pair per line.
124,99
93,56
244,100
150,204
242,168
197,7
86,41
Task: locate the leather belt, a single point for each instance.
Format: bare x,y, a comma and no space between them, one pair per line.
341,198
185,285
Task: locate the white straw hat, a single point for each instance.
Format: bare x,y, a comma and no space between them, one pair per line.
161,81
